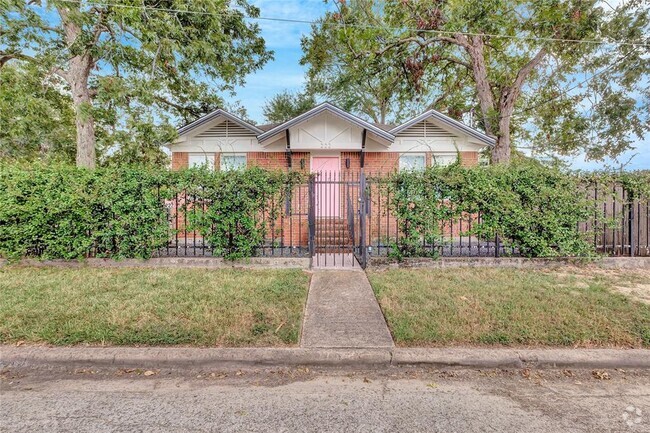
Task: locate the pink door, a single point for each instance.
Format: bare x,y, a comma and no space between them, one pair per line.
327,186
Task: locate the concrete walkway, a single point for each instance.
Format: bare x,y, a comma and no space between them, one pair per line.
342,311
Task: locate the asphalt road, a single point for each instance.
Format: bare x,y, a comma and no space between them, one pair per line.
306,401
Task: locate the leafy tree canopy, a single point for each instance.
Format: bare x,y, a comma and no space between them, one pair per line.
565,76
287,105
131,67
37,120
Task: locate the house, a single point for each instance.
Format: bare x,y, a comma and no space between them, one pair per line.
327,138
329,218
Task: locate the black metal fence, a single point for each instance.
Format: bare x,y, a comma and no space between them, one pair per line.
339,217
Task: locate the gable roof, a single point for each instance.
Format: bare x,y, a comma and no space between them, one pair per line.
216,113
327,107
448,121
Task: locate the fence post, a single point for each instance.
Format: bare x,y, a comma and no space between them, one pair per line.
630,225
497,246
311,218
362,221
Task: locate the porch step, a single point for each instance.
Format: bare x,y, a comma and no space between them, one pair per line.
333,240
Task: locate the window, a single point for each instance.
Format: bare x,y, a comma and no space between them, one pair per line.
233,161
200,160
443,159
412,162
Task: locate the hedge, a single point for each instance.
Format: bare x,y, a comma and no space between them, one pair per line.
65,212
60,211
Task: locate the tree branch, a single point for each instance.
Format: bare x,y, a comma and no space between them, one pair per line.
524,72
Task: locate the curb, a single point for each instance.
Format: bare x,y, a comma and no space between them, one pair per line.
204,358
374,358
523,358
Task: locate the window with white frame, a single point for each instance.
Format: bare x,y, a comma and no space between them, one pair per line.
443,159
201,160
412,162
233,161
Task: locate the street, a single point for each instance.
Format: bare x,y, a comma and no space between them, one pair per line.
303,400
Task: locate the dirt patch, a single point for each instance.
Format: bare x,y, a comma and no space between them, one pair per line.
638,292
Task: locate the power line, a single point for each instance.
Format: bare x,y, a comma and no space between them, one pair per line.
362,26
585,81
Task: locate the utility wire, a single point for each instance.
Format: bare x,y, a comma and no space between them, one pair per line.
361,26
566,91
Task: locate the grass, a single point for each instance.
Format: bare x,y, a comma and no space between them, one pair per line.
482,306
131,306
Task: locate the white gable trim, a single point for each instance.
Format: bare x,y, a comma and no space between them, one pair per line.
447,121
326,106
216,114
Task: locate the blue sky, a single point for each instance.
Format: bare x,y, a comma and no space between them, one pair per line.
285,71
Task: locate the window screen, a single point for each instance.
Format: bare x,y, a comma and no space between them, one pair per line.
233,161
412,161
201,159
442,159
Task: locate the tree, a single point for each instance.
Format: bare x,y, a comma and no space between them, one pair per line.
118,60
517,60
287,105
380,87
36,119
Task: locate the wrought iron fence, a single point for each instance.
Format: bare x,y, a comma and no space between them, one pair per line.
346,214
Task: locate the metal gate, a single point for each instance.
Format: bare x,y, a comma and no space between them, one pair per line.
338,206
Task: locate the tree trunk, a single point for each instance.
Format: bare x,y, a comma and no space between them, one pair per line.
79,67
501,149
78,80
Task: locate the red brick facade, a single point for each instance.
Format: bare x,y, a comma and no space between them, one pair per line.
292,230
375,162
179,160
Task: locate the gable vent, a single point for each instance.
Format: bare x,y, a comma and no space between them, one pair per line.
227,129
425,129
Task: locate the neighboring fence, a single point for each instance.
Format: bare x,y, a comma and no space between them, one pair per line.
357,219
620,225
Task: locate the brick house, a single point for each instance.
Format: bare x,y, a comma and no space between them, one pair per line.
336,145
329,138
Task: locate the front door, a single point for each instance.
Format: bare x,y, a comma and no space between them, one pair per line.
327,191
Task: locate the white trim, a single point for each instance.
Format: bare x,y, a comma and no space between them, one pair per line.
326,106
216,113
448,121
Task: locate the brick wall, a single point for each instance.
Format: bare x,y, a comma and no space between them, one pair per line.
468,159
278,160
179,160
374,162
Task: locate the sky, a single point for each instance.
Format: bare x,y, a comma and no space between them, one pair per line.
286,73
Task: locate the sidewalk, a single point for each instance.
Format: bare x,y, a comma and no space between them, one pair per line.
342,312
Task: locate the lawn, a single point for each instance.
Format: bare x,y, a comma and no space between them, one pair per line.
135,306
484,306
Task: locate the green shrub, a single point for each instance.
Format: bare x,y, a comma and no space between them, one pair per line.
235,207
531,207
61,211
65,212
